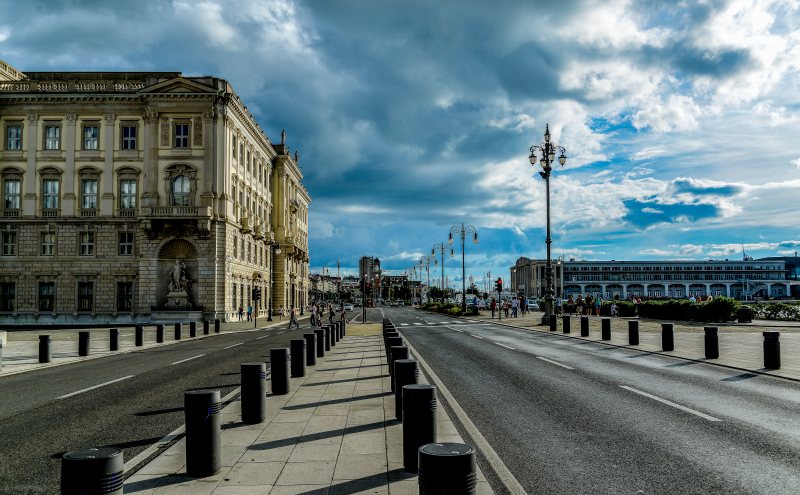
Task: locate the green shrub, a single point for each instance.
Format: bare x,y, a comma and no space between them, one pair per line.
624,308
719,309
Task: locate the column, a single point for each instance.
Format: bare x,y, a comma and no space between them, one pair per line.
150,139
645,293
603,290
207,196
32,178
687,290
727,290
68,180
624,291
788,290
107,197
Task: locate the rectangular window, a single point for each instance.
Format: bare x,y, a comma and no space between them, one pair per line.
8,295
14,137
48,244
50,194
11,188
124,296
234,297
47,296
89,194
85,296
9,243
52,137
126,243
235,248
127,193
87,244
181,135
91,134
129,137
235,141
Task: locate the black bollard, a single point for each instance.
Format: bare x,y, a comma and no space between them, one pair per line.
406,372
91,471
311,348
344,327
584,326
391,342
298,356
254,392
395,353
340,327
419,421
216,326
279,367
565,324
44,348
772,350
447,468
553,323
335,329
113,339
192,329
605,328
160,333
140,336
334,339
203,431
328,337
84,339
320,334
1,355
177,331
712,342
667,337
633,332
206,327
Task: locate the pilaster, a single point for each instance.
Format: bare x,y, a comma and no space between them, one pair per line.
32,179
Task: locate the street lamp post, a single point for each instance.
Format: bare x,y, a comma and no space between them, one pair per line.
425,261
441,247
546,156
463,231
338,282
275,248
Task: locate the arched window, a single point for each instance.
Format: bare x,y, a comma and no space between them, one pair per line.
180,191
180,184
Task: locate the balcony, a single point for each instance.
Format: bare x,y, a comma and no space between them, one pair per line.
127,212
51,213
168,212
89,213
245,221
11,213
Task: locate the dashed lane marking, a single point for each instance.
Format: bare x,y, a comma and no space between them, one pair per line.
670,403
555,362
187,359
234,345
503,345
476,336
95,387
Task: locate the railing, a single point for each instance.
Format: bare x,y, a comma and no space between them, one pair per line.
127,212
11,213
89,213
51,213
70,86
177,211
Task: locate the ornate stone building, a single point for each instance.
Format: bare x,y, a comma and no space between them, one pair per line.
137,197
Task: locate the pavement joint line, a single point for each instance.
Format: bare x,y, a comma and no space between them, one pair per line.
234,345
187,359
555,362
506,346
95,387
670,403
503,473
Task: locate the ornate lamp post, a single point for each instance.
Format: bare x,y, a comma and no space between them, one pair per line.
338,282
463,231
441,247
546,155
425,262
275,248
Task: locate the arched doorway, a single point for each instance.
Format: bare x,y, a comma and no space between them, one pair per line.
177,273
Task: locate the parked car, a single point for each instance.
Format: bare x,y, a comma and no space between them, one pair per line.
348,307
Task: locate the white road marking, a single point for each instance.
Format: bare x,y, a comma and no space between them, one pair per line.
503,345
417,323
404,324
476,336
458,330
234,345
262,337
670,403
554,362
187,359
96,386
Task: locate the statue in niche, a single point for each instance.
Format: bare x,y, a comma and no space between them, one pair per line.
177,277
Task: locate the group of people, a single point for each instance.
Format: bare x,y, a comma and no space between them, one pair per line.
318,312
517,306
588,306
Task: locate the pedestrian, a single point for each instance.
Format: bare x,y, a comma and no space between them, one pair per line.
481,306
570,307
241,313
493,306
589,302
249,312
598,302
331,314
293,318
613,309
343,316
579,305
313,315
281,312
559,305
514,307
506,308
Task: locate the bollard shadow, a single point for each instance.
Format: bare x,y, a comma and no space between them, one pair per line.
740,377
635,356
349,380
352,367
160,481
337,401
285,442
350,359
237,373
158,411
362,485
214,387
121,445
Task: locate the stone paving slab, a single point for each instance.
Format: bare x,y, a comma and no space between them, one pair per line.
334,433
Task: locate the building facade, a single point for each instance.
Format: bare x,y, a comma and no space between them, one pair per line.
143,196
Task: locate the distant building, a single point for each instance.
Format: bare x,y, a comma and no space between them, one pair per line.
369,268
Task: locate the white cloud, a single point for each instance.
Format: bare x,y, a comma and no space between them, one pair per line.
796,163
207,16
651,210
656,252
647,153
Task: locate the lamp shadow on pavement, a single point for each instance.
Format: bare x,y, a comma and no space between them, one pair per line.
274,444
337,401
362,485
346,380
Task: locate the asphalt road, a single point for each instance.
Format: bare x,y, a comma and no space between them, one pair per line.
139,400
570,416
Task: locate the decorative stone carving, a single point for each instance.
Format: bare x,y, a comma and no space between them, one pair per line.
71,118
109,117
165,131
33,117
197,130
150,116
178,286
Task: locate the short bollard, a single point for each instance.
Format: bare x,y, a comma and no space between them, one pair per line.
447,468
203,431
44,348
84,338
344,327
341,324
336,336
633,332
565,324
712,342
113,339
667,337
311,348
392,342
328,337
340,327
193,329
216,326
254,393
334,340
772,350
406,372
320,333
177,331
395,353
160,333
419,421
140,336
279,369
92,471
206,327
584,326
605,328
1,355
553,323
298,357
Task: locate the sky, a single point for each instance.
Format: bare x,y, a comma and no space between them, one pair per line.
680,119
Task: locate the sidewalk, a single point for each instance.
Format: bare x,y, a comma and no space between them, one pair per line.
334,433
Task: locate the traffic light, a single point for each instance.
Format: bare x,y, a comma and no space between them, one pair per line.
257,294
499,285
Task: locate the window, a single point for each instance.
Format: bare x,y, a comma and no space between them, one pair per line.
89,194
47,296
52,137
124,296
181,135
126,243
9,243
91,133
87,243
14,137
241,152
234,297
11,188
180,191
128,137
50,194
85,296
236,248
48,244
8,291
127,193
235,141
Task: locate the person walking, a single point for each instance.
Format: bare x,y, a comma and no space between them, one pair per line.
331,314
249,312
493,306
598,303
241,313
293,318
313,315
281,312
589,302
579,305
514,307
